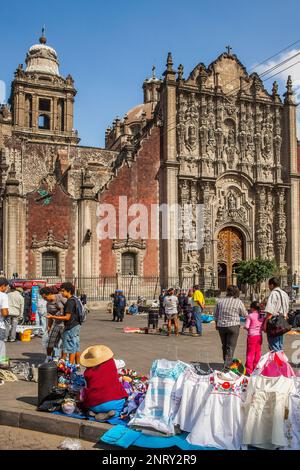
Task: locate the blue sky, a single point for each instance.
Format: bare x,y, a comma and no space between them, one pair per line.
109,47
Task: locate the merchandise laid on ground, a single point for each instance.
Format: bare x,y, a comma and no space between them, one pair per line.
182,405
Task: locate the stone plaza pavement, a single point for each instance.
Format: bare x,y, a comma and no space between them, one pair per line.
18,399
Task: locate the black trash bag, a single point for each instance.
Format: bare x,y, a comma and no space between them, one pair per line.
53,401
291,318
294,318
51,405
297,320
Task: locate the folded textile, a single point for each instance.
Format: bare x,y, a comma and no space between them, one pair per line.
207,318
125,437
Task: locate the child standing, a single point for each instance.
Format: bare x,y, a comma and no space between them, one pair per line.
254,325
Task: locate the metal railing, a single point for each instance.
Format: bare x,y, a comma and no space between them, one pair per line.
99,288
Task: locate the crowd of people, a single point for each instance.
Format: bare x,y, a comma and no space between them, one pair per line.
59,319
227,315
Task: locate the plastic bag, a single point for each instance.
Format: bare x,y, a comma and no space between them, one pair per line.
120,364
22,370
45,339
70,444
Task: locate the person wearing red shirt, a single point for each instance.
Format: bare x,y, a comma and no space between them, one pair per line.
104,395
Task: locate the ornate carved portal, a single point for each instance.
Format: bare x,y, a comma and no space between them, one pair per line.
230,251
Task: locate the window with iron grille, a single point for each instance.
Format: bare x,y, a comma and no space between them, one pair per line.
50,264
129,263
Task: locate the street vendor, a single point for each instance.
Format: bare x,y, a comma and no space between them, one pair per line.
55,306
104,395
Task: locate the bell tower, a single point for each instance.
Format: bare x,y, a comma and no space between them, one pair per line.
41,99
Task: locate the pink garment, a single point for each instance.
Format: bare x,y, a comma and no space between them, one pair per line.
253,352
254,324
274,364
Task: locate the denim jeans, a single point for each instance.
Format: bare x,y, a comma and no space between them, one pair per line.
11,327
198,319
71,340
275,343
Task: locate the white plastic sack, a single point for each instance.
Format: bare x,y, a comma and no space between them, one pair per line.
120,364
45,339
70,444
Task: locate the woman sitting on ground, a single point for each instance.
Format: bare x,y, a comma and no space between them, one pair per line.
104,396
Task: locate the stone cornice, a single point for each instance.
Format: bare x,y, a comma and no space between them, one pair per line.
129,243
50,242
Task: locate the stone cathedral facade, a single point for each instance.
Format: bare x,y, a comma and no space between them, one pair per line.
233,149
216,137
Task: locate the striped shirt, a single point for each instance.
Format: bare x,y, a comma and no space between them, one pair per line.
278,302
228,312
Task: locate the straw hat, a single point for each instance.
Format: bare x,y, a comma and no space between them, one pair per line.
95,355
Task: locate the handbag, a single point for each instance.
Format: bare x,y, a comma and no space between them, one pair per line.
278,325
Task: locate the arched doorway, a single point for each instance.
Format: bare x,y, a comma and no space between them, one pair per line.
230,251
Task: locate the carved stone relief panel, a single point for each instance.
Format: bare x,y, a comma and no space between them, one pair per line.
234,204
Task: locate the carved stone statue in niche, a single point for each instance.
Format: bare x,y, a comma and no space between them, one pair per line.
231,138
221,209
231,202
181,134
184,192
250,147
203,136
211,137
230,151
262,242
267,146
191,137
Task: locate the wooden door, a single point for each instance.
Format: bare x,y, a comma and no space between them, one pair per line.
230,249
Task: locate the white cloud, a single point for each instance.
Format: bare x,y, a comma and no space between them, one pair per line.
293,70
2,91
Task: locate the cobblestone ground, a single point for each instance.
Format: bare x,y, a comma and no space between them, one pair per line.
23,439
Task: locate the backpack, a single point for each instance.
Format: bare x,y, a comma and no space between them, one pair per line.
82,310
121,301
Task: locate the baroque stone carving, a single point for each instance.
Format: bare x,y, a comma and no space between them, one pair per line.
129,243
50,242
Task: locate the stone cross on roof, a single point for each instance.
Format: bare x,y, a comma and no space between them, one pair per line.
229,48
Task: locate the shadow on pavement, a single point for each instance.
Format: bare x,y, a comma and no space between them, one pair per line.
32,358
28,400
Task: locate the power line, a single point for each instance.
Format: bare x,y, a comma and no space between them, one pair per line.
280,71
277,73
272,56
278,65
260,63
266,72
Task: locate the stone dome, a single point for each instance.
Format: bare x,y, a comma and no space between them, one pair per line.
42,59
135,114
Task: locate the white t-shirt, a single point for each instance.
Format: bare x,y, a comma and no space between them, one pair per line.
170,304
3,304
278,302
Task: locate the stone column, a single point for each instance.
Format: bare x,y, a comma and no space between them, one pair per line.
69,113
35,110
55,124
290,161
169,174
88,243
14,223
21,108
